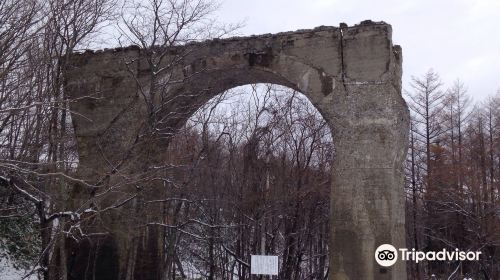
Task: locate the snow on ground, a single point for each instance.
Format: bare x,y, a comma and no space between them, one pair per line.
8,271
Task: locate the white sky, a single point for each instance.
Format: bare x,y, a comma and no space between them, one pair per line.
457,38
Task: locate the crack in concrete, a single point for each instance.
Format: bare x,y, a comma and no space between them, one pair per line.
342,63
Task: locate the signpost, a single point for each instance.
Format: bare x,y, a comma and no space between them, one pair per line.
264,265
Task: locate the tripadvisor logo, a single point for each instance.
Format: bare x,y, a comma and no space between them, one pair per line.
387,255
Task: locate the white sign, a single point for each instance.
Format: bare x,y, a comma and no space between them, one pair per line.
266,265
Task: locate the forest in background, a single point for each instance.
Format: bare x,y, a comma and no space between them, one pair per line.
249,173
453,176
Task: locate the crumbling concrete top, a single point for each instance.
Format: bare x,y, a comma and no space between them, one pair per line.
242,38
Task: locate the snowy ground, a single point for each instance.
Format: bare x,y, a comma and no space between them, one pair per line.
8,271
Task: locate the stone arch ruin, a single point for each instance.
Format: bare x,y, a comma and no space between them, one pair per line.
351,74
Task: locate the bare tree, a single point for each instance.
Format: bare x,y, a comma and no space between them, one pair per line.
37,38
159,27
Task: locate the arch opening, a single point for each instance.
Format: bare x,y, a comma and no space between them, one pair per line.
255,162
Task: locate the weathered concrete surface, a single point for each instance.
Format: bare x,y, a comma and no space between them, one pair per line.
351,74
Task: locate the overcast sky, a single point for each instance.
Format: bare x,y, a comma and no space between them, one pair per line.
457,38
